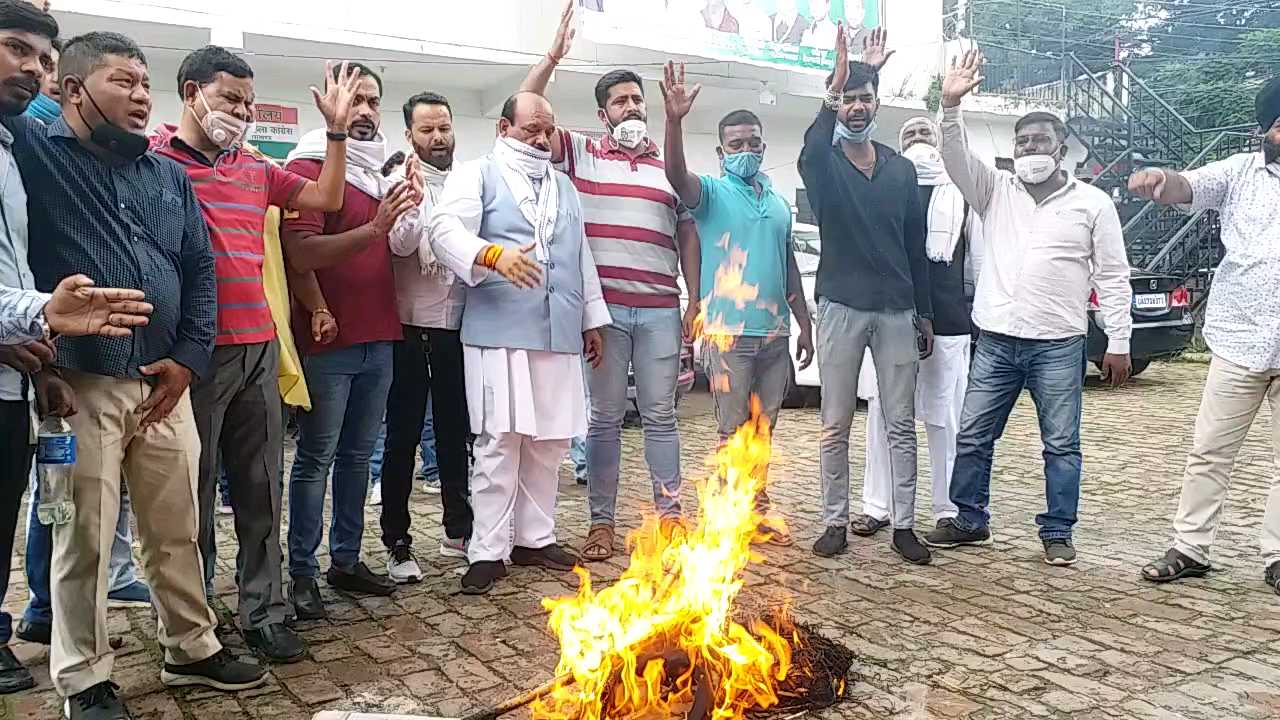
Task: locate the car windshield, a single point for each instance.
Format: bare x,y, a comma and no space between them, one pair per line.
808,250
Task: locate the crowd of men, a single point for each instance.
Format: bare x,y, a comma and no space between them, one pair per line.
506,290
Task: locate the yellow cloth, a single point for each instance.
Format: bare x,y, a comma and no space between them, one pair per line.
293,386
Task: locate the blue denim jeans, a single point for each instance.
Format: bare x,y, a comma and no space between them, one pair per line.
348,390
648,340
427,447
1052,371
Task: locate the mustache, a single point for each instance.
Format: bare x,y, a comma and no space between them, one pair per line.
26,83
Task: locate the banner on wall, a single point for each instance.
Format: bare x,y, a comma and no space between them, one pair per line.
794,34
275,129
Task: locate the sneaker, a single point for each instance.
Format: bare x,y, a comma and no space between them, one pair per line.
14,676
219,671
99,702
375,495
224,507
481,577
949,536
431,485
135,594
453,547
34,632
906,544
1272,576
832,543
551,557
1059,552
402,566
359,579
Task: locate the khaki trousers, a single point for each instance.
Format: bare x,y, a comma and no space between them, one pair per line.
1232,397
160,467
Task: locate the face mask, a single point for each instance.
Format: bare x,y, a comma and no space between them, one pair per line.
44,109
111,137
630,133
744,164
857,137
1035,169
223,129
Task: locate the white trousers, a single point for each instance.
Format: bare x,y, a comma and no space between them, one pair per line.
1232,397
514,481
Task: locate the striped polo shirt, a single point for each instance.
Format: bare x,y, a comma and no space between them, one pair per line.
234,192
631,214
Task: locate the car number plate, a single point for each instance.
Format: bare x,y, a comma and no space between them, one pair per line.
1156,301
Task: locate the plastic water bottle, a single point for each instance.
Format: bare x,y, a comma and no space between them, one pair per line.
55,459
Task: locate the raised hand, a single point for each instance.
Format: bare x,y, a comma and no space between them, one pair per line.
564,34
964,76
678,96
840,73
335,103
1148,184
875,50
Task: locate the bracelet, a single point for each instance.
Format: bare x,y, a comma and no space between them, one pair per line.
319,310
832,100
336,136
489,258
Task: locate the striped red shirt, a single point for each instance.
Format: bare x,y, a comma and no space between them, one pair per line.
234,192
631,215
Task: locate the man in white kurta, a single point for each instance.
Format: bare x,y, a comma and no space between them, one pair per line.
531,314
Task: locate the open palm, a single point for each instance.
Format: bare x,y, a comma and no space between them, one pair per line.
335,104
962,78
678,96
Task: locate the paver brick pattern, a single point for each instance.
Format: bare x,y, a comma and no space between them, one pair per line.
981,633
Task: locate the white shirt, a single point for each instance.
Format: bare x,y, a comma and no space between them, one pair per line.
21,307
1242,322
427,294
1040,261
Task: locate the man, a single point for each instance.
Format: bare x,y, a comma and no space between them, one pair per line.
821,32
1050,240
113,211
348,377
873,286
45,105
943,375
748,226
789,26
237,403
717,17
428,362
642,238
1240,330
534,306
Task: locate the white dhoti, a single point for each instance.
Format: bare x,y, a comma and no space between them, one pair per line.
940,387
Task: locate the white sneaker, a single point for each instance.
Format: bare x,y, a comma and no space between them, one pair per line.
402,566
375,495
453,548
431,486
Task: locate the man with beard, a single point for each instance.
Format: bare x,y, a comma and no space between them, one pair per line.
1240,328
642,238
111,210
347,377
872,289
1050,240
428,362
511,227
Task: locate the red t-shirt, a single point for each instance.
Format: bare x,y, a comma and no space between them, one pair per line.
360,291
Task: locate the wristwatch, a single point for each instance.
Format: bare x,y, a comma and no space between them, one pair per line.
335,136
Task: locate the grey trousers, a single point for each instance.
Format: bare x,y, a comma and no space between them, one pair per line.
238,410
843,335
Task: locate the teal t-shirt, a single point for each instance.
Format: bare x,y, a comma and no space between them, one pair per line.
746,241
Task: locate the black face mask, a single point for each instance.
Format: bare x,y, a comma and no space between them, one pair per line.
111,137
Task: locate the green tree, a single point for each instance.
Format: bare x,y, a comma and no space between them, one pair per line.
1217,89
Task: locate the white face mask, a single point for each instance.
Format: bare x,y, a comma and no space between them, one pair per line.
1035,169
630,133
223,129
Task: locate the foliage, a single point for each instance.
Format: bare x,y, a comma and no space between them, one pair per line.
1217,90
933,100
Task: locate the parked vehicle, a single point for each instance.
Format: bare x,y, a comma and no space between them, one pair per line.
1162,321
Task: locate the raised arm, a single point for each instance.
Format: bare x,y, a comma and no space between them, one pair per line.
540,74
325,193
815,154
975,179
1205,188
679,100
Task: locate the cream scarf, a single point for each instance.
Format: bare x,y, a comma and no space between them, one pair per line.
529,176
365,159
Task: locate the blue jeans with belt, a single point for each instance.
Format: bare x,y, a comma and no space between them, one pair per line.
1053,372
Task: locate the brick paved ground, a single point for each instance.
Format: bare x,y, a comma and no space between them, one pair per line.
988,633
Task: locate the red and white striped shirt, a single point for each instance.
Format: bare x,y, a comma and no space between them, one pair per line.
631,215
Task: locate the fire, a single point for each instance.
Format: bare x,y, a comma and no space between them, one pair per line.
642,646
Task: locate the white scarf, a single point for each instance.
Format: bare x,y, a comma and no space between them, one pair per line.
946,204
433,183
365,159
521,166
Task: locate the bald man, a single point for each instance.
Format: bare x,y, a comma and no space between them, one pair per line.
511,227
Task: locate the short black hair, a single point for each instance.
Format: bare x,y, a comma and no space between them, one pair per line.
615,77
57,45
364,70
860,74
392,162
85,53
202,65
738,117
1039,116
424,98
509,109
23,16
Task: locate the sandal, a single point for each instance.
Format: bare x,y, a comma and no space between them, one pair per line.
866,526
599,545
1174,566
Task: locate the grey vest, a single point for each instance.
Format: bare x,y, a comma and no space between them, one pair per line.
548,318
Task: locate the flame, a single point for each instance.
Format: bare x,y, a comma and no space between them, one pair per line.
634,649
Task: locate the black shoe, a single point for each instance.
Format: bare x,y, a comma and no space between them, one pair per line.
481,576
906,544
14,676
949,536
1272,576
38,633
832,543
99,702
360,579
305,594
552,557
220,671
277,643
1059,552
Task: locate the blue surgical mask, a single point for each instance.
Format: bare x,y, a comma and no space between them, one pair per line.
44,108
857,137
744,164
